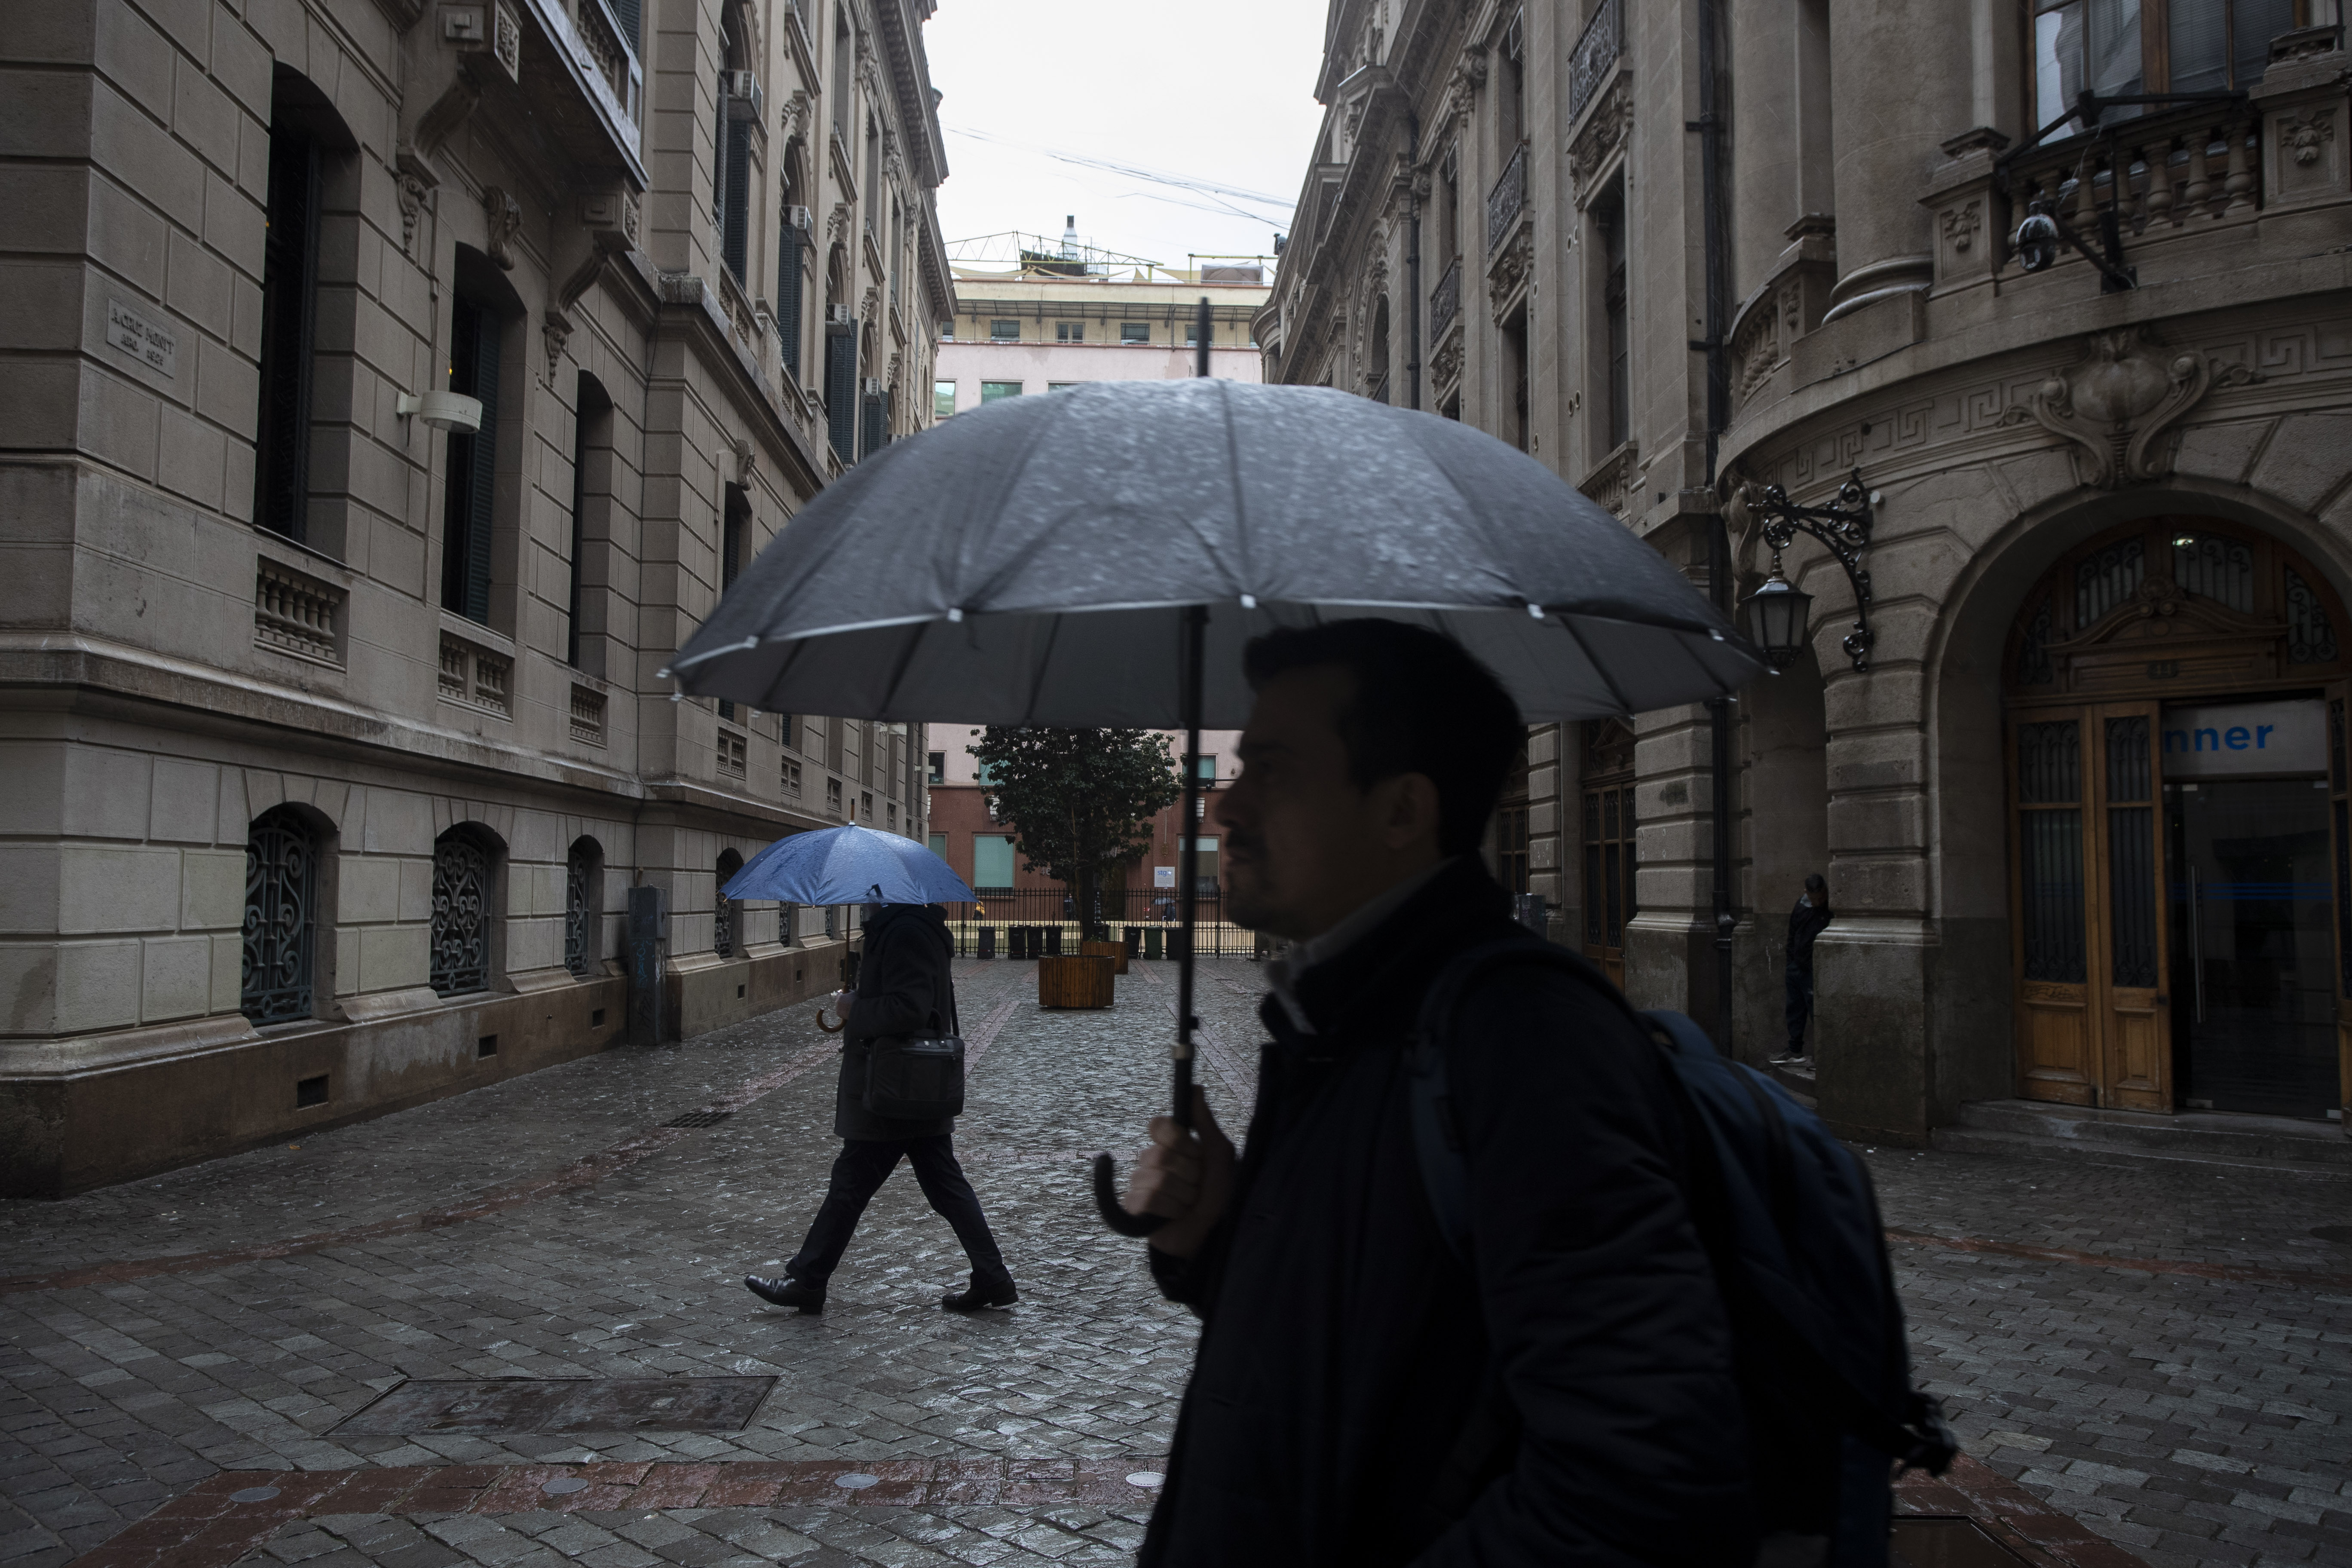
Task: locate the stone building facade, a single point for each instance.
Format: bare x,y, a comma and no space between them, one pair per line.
1683,250
391,386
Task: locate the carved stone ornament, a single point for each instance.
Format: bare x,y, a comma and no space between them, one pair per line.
505,214
747,461
556,328
1510,271
1960,224
871,303
2303,134
792,114
413,192
1445,365
1602,134
2119,398
836,224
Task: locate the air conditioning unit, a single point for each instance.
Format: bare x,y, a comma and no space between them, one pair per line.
800,219
842,316
740,91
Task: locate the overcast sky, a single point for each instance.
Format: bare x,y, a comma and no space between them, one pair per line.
1214,91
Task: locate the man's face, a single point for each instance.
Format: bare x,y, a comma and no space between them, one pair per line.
1303,844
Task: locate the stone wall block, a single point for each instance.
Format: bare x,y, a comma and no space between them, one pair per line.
390,822
264,788
191,457
228,387
117,890
115,422
2036,479
1883,883
189,22
47,114
367,889
106,794
391,957
174,978
1878,822
29,889
204,117
212,889
227,970
241,64
2220,451
201,287
126,49
236,819
28,987
1881,696
49,209
39,403
415,890
33,805
126,235
2305,461
234,223
96,987
330,799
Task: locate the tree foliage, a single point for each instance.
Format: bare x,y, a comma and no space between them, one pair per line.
1079,802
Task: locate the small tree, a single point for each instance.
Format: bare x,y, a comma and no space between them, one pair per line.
1078,801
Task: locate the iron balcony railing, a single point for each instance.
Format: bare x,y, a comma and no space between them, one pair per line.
1445,300
1508,199
1597,48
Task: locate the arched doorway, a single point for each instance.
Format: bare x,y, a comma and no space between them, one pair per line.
2179,884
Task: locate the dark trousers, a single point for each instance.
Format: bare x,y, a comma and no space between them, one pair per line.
864,1163
1800,981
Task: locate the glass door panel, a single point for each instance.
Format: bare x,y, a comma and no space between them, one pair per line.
2137,1060
2056,1049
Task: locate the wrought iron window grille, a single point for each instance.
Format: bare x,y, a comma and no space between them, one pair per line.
281,888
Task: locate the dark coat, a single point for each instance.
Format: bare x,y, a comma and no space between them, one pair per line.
903,988
1806,921
1342,1346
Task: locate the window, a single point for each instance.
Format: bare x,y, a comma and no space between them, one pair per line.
1511,848
841,391
1205,864
876,432
891,816
992,862
463,906
947,330
843,84
939,844
289,278
584,885
1204,767
472,489
281,901
791,780
2170,46
592,439
1069,331
938,762
2083,43
942,399
1004,332
990,391
833,797
731,753
1062,385
1192,335
1609,218
866,805
791,271
1134,331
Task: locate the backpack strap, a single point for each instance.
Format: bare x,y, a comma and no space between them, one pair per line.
1438,1141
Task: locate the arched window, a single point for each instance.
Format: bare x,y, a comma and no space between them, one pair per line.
1376,353
281,894
840,361
463,910
723,927
583,907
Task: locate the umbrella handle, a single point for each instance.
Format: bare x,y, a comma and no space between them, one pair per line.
829,1029
1114,1214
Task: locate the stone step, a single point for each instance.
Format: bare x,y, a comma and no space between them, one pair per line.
2026,1126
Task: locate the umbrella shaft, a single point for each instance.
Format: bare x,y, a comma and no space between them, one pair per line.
1188,847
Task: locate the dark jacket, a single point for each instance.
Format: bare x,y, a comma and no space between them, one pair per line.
903,988
1805,923
1342,1346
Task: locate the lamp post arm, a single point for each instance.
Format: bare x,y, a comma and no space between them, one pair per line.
1843,526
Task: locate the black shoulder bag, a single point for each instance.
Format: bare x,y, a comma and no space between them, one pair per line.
917,1077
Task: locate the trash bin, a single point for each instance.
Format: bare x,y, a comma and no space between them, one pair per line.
1134,942
988,942
1152,943
1054,941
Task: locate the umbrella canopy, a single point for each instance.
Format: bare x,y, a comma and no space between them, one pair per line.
849,865
1031,563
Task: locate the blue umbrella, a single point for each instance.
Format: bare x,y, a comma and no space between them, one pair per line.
848,864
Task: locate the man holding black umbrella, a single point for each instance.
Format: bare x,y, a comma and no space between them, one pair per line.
904,988
1360,1395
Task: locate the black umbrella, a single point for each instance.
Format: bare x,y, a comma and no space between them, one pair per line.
1098,556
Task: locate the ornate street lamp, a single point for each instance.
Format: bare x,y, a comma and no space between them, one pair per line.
1777,615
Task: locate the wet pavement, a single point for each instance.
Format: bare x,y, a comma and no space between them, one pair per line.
2163,1351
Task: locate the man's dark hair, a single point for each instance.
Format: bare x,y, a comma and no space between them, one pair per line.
1813,884
1420,705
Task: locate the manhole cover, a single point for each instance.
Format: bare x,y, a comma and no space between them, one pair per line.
570,1404
254,1494
698,1118
2340,1233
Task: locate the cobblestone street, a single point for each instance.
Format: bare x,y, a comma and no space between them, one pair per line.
2162,1350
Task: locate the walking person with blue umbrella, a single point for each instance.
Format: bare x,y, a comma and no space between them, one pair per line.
901,1082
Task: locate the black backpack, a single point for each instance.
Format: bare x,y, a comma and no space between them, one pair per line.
1791,1221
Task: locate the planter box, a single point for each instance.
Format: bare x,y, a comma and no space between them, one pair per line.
1075,980
1114,950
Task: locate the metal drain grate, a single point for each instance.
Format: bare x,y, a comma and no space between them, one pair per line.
699,1118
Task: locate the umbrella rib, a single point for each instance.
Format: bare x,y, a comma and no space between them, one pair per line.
1234,477
1045,662
898,670
1624,707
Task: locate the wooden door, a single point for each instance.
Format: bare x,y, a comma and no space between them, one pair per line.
2094,1023
2339,860
1609,831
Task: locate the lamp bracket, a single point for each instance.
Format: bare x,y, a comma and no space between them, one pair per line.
1844,525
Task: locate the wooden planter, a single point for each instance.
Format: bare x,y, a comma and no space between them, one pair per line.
1075,980
1114,950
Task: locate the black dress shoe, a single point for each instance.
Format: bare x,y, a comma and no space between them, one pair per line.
783,1290
983,1293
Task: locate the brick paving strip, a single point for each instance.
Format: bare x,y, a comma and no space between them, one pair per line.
2299,1278
209,1526
585,1171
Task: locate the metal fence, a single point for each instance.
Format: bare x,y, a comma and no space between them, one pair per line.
1025,922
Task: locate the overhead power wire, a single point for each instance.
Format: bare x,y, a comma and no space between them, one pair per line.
1223,195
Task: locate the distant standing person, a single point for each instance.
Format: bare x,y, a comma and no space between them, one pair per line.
1805,923
904,987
